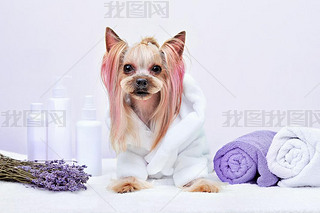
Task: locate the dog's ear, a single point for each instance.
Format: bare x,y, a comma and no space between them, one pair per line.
111,38
177,42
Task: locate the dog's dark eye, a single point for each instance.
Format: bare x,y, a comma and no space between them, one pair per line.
128,68
156,69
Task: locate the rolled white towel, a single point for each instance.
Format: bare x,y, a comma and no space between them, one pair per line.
294,156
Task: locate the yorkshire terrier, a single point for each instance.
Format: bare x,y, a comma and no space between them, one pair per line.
145,85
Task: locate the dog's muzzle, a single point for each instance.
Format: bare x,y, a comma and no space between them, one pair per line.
141,87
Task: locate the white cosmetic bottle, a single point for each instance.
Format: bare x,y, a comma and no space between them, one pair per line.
88,137
59,123
37,133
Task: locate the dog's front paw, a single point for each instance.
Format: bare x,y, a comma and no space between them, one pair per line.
202,185
128,184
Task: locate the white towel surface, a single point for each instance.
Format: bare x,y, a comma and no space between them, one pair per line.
163,197
294,156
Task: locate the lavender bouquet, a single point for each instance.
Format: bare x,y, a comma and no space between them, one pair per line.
52,175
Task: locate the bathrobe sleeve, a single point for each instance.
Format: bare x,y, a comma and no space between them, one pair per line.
193,162
131,164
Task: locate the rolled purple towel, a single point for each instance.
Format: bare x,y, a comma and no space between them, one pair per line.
244,160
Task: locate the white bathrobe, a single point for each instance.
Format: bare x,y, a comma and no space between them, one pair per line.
182,153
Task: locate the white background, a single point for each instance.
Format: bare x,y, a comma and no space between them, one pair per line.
247,55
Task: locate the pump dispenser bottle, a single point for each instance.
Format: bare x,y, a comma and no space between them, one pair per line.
88,138
59,123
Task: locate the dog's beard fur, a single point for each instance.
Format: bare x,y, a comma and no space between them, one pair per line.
160,102
128,85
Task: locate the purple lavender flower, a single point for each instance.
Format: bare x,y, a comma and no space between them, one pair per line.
56,175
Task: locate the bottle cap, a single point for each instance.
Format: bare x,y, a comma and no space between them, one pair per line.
59,90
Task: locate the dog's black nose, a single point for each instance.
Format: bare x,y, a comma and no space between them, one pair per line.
141,83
